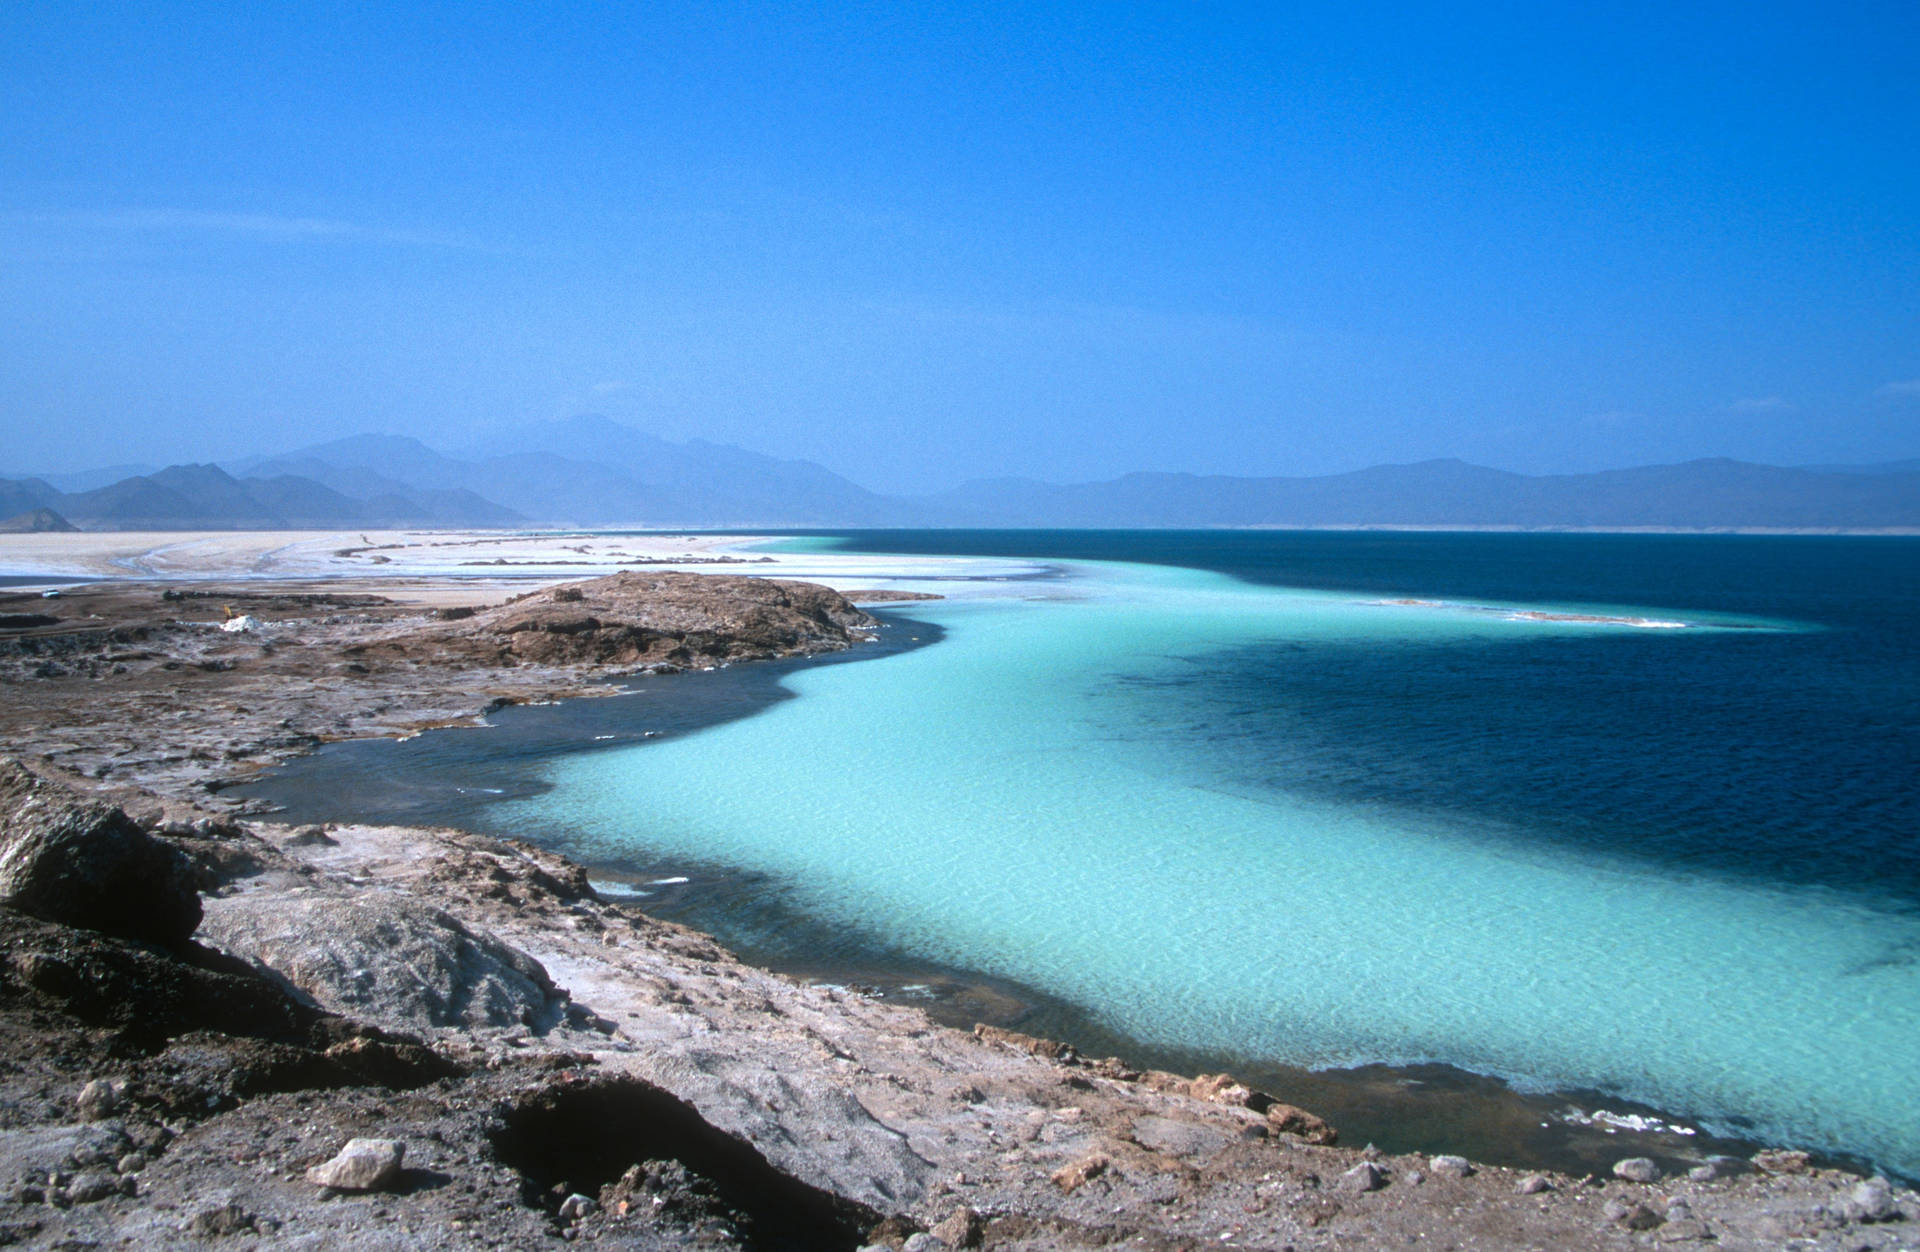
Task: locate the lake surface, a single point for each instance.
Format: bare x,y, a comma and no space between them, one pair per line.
1333,799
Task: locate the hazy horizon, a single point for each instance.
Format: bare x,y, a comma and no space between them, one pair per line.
921,249
234,459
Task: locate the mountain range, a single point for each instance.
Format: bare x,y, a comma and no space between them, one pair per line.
591,471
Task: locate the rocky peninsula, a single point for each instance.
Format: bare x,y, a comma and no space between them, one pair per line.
229,1032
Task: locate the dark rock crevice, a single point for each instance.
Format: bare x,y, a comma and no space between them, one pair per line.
622,1141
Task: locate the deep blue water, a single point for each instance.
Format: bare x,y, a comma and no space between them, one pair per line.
1787,755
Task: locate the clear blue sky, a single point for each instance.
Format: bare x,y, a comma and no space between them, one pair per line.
919,243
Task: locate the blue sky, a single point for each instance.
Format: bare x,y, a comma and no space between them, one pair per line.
921,243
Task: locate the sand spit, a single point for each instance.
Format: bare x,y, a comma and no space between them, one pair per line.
524,1061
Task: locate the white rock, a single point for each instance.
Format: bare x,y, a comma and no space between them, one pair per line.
1451,1166
575,1207
1636,1169
363,1165
1872,1201
101,1098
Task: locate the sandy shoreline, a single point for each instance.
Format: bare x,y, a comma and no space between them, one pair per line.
865,1099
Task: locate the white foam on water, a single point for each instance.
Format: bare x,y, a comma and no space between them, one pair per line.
981,804
616,890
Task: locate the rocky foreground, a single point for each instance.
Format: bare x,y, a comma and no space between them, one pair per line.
222,1032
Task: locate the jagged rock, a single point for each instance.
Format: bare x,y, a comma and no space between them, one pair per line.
363,1165
1872,1201
1072,1177
68,858
1636,1169
1288,1120
1051,1049
575,1207
1221,1089
1451,1166
1534,1184
1366,1176
959,1229
1632,1214
1640,1217
1782,1161
396,960
93,1186
101,1097
224,1219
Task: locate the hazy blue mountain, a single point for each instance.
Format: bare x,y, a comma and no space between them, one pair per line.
1697,494
137,503
396,458
216,496
35,521
301,502
1909,466
693,483
207,497
388,500
594,471
23,495
87,480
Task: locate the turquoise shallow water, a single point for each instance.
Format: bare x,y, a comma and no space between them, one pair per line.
1015,800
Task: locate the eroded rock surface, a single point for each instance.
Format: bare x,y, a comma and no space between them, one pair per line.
68,857
384,957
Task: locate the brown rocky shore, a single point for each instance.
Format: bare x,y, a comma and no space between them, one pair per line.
221,1031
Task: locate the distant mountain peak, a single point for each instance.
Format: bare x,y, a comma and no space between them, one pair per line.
35,522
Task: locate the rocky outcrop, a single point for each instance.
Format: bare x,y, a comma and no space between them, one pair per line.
640,619
68,858
386,958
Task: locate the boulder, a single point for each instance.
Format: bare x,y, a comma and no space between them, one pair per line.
961,1228
1221,1089
1783,1161
1071,1178
1451,1166
1366,1176
1636,1169
1288,1120
1533,1184
385,957
66,857
363,1165
1632,1215
1872,1201
101,1098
